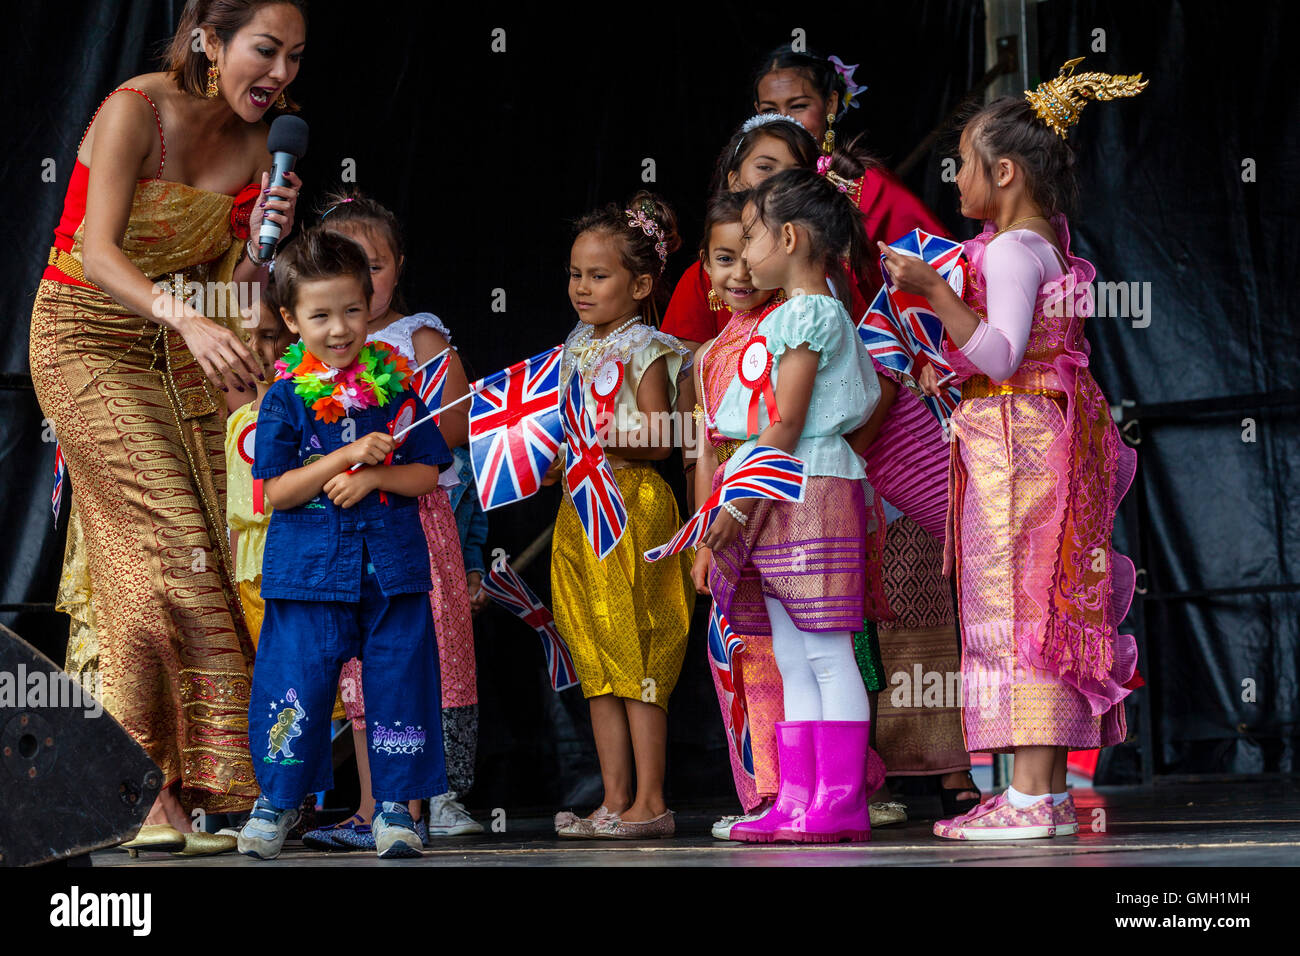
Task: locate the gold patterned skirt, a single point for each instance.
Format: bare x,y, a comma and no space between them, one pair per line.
625,619
143,439
1006,530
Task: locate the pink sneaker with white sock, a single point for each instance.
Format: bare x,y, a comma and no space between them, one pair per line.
997,819
1065,818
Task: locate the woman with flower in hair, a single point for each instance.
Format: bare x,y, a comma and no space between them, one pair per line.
163,194
625,619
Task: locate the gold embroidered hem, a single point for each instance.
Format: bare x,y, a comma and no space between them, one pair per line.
143,439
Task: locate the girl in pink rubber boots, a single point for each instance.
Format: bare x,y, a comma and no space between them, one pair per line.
796,570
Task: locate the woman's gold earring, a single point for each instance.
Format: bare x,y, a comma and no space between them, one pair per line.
715,302
828,141
213,73
281,102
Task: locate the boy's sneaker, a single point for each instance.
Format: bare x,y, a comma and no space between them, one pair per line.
394,830
263,835
448,817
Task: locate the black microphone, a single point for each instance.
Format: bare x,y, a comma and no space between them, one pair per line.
287,143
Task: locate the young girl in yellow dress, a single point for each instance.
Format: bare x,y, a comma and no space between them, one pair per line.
625,619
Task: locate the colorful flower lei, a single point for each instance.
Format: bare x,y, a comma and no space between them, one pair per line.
378,373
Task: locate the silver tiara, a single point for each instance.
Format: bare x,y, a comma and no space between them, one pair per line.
762,119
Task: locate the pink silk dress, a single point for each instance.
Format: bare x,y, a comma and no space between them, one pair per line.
1037,472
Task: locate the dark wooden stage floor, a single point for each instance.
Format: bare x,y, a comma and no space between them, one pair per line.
1253,823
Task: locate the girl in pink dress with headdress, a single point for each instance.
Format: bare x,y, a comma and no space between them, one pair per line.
1038,468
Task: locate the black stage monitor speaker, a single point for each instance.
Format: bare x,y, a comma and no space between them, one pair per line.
71,779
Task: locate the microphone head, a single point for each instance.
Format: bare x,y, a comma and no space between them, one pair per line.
288,135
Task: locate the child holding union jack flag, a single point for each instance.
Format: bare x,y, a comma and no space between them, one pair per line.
420,337
345,570
1038,465
625,620
796,570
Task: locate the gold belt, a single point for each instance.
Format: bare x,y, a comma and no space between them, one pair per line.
980,386
726,449
66,263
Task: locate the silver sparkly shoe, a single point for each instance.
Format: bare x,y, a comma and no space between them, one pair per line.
569,824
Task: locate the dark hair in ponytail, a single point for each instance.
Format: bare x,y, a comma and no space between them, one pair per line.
830,219
1009,127
637,250
188,66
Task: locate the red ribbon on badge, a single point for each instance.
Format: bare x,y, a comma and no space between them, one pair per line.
755,370
604,389
246,444
404,417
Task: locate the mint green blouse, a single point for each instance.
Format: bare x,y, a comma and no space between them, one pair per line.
844,394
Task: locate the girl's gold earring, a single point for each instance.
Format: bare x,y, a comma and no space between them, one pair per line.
715,302
828,141
281,102
213,73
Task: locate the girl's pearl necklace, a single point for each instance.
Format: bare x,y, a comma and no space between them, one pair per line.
586,347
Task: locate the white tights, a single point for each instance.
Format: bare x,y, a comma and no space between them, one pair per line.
818,671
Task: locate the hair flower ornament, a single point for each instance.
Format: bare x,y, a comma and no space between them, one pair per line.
851,89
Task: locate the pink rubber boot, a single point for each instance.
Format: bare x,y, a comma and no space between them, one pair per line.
798,766
848,772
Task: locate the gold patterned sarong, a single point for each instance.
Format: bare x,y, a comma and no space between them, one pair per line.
148,577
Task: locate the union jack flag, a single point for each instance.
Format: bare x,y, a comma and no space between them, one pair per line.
765,472
901,331
723,647
504,585
60,471
430,382
591,482
514,428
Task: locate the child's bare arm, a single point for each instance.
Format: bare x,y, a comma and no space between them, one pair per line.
861,438
647,442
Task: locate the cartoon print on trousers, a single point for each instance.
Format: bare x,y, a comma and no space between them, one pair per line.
287,726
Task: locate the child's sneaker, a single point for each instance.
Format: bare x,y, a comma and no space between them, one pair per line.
448,817
263,835
394,830
1065,818
997,819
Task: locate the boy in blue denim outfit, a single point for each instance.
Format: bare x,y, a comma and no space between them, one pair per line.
345,570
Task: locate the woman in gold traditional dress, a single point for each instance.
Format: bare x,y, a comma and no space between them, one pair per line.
128,372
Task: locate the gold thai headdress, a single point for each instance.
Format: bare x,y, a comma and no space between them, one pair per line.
1058,102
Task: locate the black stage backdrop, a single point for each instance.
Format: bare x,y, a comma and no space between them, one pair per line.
487,156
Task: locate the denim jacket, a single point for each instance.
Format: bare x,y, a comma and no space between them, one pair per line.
471,521
313,552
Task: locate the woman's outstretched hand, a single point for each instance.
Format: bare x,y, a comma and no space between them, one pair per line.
226,361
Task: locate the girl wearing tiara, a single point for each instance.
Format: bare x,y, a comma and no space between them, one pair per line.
796,571
419,337
625,620
1038,466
